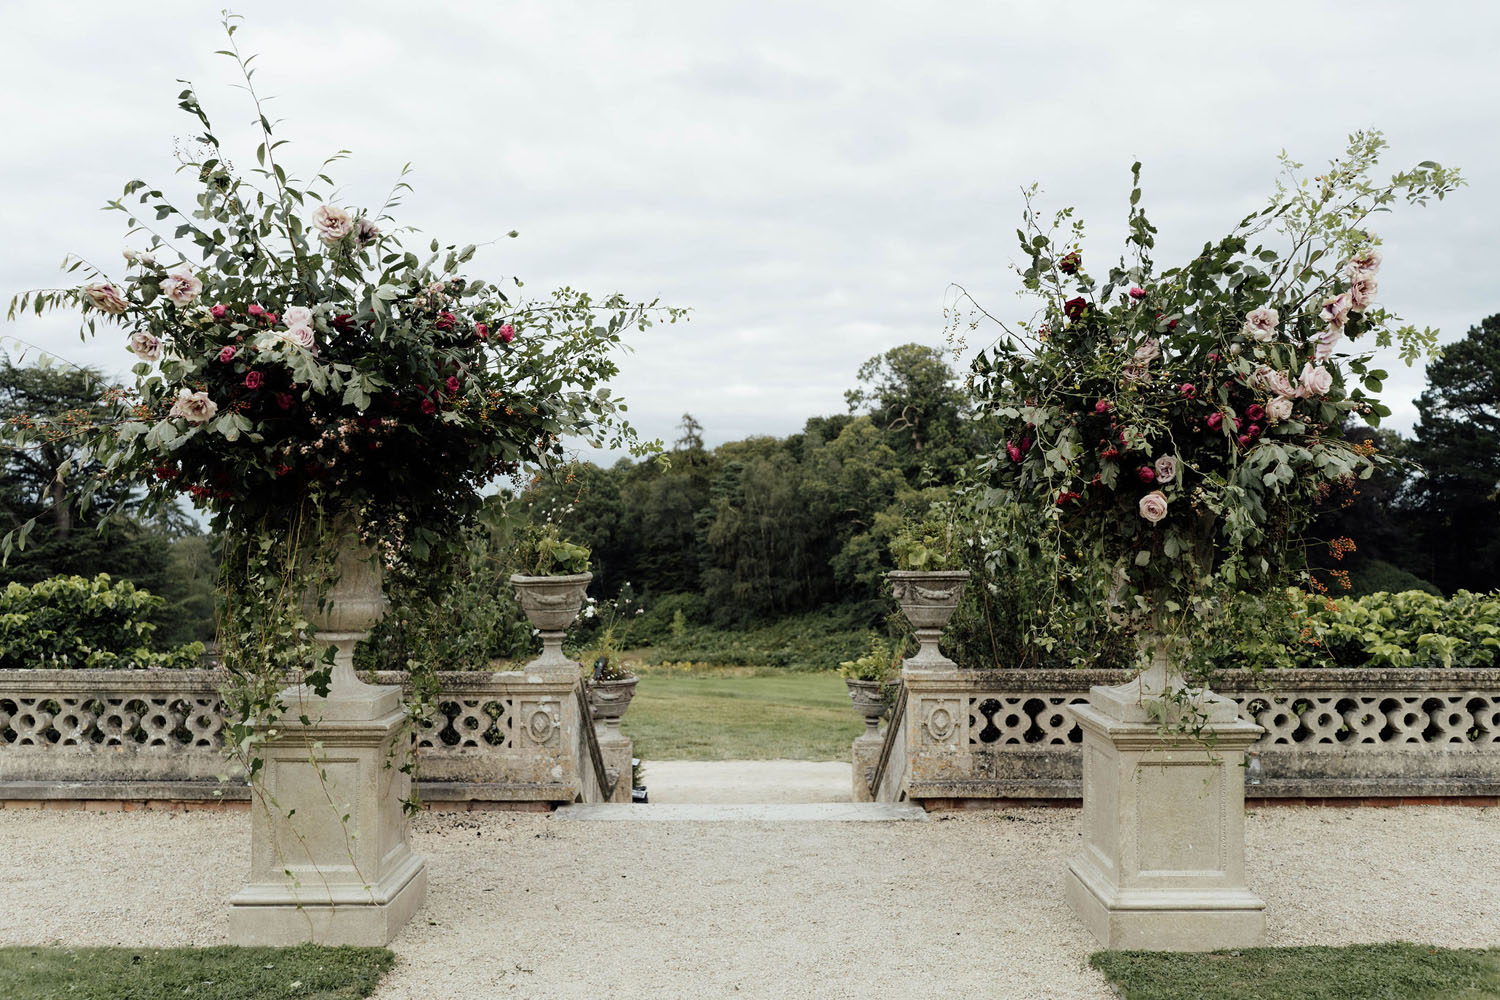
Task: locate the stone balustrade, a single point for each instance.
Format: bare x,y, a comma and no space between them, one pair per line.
159,734
1004,734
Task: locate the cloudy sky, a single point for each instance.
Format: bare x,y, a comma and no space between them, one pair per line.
809,177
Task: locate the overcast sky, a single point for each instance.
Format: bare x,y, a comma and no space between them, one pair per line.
808,177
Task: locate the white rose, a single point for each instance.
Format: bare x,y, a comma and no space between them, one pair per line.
144,346
194,407
302,336
106,298
1148,352
1279,409
332,223
180,285
1166,469
1336,309
1154,506
1260,324
1316,380
1362,289
1280,383
297,316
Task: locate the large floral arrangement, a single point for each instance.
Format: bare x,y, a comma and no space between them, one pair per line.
1170,434
291,349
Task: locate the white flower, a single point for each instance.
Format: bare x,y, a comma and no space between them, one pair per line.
1336,309
297,316
1367,260
106,298
302,336
130,256
1166,469
1154,506
144,346
180,285
194,407
1362,289
1316,380
1326,342
1279,409
365,231
1148,352
1260,324
332,222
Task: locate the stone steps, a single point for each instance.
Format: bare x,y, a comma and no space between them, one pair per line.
753,812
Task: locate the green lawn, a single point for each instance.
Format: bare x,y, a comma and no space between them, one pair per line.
1359,972
741,713
307,972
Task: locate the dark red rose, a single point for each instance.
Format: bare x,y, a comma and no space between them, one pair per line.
284,400
1074,308
1214,421
253,380
481,331
453,384
428,407
445,321
1146,474
1255,411
1069,263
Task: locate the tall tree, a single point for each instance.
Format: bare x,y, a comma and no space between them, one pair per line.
912,394
1457,444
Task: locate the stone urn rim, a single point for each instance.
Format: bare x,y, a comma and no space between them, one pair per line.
584,577
927,574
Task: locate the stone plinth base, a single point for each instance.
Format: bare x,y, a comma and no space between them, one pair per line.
617,751
1163,863
330,861
867,749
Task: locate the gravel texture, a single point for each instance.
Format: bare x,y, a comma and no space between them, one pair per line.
967,905
741,781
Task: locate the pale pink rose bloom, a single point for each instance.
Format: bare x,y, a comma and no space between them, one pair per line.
180,285
1154,506
302,336
1166,469
106,298
1279,409
1148,352
332,223
1280,383
1260,324
144,346
194,407
297,316
1336,309
1316,380
1367,260
1327,340
1362,289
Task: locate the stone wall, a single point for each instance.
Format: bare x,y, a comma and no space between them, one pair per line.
1004,734
159,735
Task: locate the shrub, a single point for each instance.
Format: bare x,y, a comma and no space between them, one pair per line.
73,622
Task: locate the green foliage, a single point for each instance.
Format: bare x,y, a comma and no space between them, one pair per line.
1353,972
818,640
71,622
1374,576
877,664
542,551
932,543
308,972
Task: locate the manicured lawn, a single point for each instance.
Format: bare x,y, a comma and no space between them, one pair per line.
307,972
741,713
1359,972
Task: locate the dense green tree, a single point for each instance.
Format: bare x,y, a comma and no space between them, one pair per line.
913,395
1456,497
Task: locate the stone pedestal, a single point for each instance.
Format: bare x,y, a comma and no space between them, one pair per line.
1163,861
329,858
867,747
617,751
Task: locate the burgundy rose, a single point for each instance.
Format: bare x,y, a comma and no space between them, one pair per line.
1146,474
1188,390
1069,262
1244,440
1026,442
445,321
453,384
341,322
1074,308
253,380
1253,431
481,331
428,407
284,400
1214,421
1255,411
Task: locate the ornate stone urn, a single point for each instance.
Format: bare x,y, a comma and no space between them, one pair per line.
928,598
869,701
551,604
608,700
330,857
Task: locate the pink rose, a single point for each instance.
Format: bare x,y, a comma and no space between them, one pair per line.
1103,406
1166,469
298,316
144,346
481,331
253,380
1153,506
453,383
106,298
1367,260
227,354
194,407
1316,380
1279,409
507,333
1013,451
1336,309
255,310
302,336
180,285
1214,421
445,321
1260,324
332,223
1327,340
1148,352
219,311
1362,289
1146,474
1137,292
1255,411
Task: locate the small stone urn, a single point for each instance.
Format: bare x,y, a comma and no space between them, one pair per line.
869,701
551,604
928,598
608,700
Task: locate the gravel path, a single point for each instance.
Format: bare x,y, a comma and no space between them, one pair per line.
742,781
967,905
